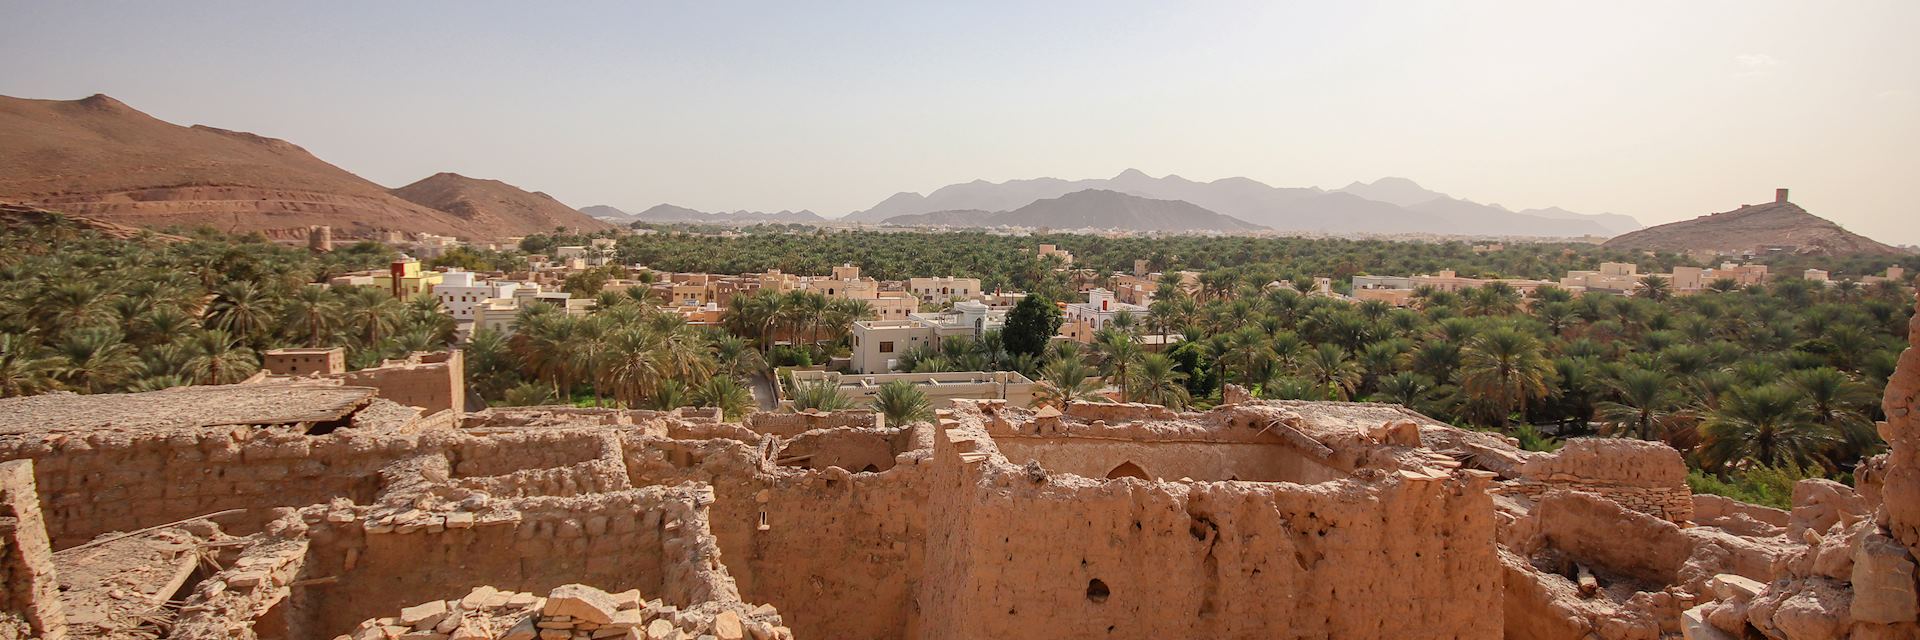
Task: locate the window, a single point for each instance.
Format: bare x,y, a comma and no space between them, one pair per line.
886,346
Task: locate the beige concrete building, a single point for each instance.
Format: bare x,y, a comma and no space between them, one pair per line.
877,344
941,389
939,291
303,362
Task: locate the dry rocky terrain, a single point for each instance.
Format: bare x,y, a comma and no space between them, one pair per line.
1754,226
100,158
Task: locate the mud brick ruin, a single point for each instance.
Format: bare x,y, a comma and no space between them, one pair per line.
319,509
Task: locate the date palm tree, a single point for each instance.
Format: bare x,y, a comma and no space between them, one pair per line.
902,404
1064,381
1766,425
1504,370
311,315
1407,389
220,358
96,359
1328,367
24,370
725,393
1649,406
1117,353
822,395
1156,380
1835,399
373,314
241,309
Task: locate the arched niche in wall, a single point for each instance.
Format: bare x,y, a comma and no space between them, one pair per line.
1128,470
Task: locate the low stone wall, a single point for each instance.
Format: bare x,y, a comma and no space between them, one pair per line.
1648,477
787,425
117,481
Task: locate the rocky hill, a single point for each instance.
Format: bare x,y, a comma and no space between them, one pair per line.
102,159
668,214
14,217
1091,209
1757,226
1389,205
493,204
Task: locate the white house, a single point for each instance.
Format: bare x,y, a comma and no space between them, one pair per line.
460,292
1100,308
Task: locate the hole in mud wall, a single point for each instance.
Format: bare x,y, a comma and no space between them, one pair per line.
1203,461
329,426
870,451
1097,591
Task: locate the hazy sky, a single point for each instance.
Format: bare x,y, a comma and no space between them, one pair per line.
1662,110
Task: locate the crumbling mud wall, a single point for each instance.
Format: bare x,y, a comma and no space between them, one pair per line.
1648,477
117,481
787,425
432,381
625,540
1095,457
1020,552
837,550
29,594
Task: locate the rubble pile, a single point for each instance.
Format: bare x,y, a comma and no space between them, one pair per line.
567,612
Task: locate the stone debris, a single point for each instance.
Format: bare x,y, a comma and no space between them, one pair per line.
568,612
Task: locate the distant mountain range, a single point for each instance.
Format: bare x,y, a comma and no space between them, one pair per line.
1756,226
1388,205
667,214
1089,209
100,158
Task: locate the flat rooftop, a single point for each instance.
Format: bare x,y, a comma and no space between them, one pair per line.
181,408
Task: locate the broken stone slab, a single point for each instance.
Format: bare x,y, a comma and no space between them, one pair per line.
523,630
1729,586
1694,626
627,619
425,615
726,626
582,602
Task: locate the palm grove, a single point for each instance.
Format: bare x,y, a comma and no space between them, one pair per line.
1765,381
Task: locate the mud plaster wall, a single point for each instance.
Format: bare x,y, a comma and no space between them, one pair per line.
792,424
614,541
435,382
855,450
1009,557
29,593
1648,477
116,481
1169,460
842,553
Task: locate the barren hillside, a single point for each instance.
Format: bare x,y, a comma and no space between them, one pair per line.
493,204
1773,224
100,158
